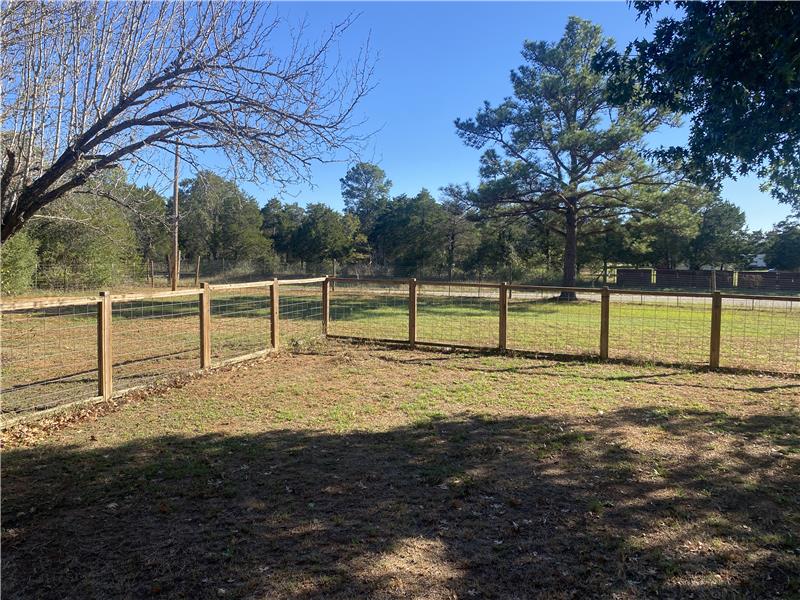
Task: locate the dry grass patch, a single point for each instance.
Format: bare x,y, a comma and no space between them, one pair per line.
390,473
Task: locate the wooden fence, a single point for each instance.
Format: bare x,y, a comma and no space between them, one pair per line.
42,351
758,332
754,332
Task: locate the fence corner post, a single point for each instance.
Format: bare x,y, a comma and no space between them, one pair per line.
605,305
503,339
104,356
326,304
205,327
716,329
412,313
274,315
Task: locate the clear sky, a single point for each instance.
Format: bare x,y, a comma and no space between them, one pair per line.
440,60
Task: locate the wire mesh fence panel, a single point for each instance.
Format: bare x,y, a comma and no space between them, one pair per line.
300,313
369,311
239,322
760,334
154,339
460,315
49,357
544,321
669,329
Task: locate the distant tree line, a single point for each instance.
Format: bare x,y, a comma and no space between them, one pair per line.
91,241
568,186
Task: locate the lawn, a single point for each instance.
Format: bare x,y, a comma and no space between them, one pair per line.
49,355
364,472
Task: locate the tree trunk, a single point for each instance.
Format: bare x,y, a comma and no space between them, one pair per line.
570,252
12,222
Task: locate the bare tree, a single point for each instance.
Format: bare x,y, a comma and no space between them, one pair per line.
93,85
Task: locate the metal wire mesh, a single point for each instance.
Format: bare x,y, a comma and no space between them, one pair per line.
48,357
154,339
368,310
761,334
670,329
460,315
300,313
542,321
239,322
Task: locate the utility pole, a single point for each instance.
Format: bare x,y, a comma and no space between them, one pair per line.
175,269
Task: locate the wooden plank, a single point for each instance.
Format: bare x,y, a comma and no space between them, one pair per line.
398,282
467,284
274,315
205,327
716,329
326,305
242,358
237,286
152,295
757,297
605,306
356,338
661,293
503,340
285,282
104,355
412,312
554,290
48,303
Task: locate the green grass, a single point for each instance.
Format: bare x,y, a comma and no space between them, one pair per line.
666,331
53,351
363,472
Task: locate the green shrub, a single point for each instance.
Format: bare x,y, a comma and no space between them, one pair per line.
18,263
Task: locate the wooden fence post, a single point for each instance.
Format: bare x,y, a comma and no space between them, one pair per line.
503,316
104,356
605,305
205,327
716,329
274,315
326,305
412,312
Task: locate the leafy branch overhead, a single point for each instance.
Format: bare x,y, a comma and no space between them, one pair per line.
734,68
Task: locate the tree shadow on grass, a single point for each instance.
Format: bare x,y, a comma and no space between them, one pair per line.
456,507
475,361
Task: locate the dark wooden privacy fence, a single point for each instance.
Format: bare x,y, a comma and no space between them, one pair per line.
60,350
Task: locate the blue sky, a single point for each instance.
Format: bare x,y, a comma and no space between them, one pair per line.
440,60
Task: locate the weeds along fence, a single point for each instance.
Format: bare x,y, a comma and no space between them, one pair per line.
59,351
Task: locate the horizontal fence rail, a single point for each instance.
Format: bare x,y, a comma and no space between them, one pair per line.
752,332
58,351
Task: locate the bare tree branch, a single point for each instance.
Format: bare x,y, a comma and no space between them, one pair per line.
95,84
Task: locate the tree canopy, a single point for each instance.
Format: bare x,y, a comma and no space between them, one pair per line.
734,68
218,220
365,190
559,146
783,246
